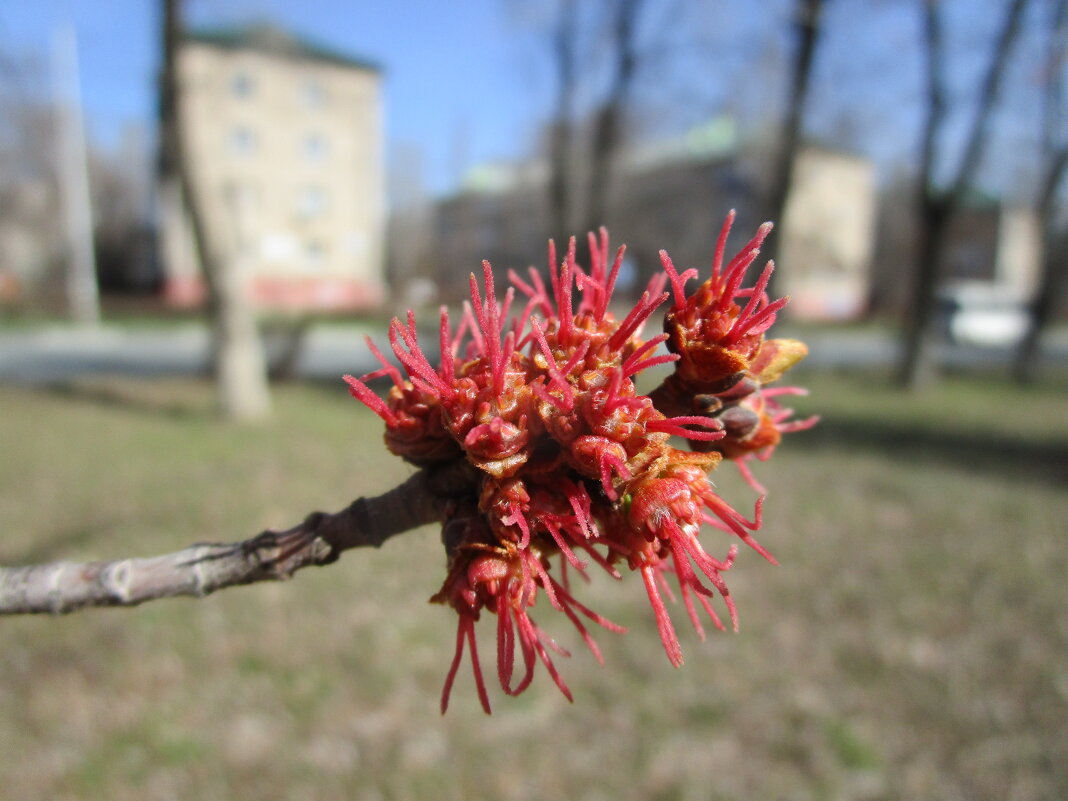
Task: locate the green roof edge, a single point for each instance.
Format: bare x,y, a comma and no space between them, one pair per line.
278,41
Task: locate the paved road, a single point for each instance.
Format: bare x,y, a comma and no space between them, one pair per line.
56,353
846,348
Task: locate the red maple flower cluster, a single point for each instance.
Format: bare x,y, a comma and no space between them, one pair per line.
572,462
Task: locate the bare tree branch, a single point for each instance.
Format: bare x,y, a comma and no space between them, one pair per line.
564,48
808,28
608,123
199,570
937,207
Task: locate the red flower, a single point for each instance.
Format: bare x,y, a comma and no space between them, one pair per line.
572,461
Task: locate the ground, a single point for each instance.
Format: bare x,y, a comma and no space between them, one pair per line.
912,643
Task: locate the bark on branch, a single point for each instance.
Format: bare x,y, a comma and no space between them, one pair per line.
199,570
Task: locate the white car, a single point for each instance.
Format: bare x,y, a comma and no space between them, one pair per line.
983,314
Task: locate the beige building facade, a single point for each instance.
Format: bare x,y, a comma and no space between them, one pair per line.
285,144
828,235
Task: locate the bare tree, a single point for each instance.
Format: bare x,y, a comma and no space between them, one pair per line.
608,122
937,206
561,131
806,24
1054,161
578,193
237,350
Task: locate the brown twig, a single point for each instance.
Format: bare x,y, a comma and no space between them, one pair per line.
61,587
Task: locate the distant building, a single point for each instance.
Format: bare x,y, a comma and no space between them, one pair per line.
29,231
670,194
992,254
994,243
674,194
285,143
991,270
828,235
500,215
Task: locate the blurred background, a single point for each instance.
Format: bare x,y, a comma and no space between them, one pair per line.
204,207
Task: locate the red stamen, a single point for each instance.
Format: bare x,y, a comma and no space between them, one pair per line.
674,426
563,297
678,280
517,519
721,244
445,343
748,254
361,392
465,630
613,274
565,549
387,366
528,633
480,684
747,475
633,321
663,621
505,644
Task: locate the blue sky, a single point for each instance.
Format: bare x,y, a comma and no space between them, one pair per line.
467,81
458,87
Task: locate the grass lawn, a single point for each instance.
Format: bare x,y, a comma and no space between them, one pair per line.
913,644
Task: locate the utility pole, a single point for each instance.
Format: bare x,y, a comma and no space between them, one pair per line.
73,173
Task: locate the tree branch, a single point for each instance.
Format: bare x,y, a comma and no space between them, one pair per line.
608,121
199,570
937,207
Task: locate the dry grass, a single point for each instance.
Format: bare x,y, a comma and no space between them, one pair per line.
913,644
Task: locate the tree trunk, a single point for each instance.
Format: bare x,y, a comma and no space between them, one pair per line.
561,130
1054,275
918,364
238,359
608,125
1055,157
807,28
936,208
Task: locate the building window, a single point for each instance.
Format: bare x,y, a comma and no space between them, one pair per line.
312,94
313,148
314,255
243,141
312,202
242,85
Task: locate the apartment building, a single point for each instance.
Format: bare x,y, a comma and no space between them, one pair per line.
284,138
